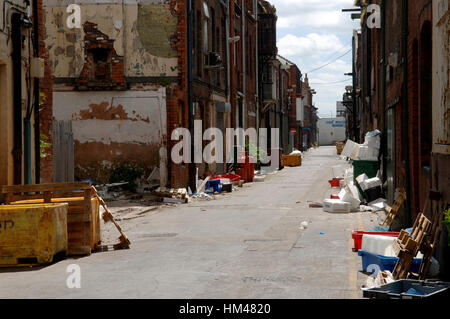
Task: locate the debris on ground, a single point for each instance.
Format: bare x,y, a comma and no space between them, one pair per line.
315,204
172,195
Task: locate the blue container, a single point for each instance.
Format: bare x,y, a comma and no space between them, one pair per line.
215,184
385,263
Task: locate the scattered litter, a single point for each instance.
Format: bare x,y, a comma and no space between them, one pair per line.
321,233
172,195
304,225
173,200
378,204
381,278
259,178
315,205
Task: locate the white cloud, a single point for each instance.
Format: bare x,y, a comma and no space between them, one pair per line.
313,33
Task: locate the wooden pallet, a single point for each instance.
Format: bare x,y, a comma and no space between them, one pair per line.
124,242
83,221
393,211
178,193
430,242
406,246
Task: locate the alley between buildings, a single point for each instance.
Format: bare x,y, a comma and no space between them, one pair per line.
247,244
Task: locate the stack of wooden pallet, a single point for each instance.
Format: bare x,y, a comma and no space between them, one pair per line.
408,245
423,238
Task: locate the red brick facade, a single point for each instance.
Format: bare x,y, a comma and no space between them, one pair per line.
46,109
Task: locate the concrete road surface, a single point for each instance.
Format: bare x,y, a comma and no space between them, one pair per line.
247,244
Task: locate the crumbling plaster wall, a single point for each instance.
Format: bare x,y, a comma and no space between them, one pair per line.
144,32
115,127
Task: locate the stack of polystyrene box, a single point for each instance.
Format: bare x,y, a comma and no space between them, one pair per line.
369,151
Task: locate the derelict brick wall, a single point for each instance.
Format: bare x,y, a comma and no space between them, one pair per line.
419,12
46,109
177,96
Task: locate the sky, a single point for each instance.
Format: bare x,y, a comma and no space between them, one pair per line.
312,33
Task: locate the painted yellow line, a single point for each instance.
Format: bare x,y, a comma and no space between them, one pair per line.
352,271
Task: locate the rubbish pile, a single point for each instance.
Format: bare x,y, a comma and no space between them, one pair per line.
369,151
359,183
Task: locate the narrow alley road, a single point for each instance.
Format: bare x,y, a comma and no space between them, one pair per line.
247,244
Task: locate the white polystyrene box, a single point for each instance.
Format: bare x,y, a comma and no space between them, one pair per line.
372,182
373,141
336,206
346,195
379,245
350,150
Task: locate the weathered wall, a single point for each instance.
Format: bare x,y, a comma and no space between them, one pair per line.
441,78
144,33
129,116
6,94
331,130
441,118
114,128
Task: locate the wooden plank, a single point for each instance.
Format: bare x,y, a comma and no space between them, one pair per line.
63,151
79,250
22,197
47,197
76,218
77,210
45,187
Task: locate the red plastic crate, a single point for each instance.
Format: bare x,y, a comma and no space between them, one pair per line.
357,236
336,182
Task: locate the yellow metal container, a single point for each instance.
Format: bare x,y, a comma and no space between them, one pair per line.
292,160
83,225
32,234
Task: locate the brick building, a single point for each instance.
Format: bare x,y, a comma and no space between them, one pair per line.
401,89
119,86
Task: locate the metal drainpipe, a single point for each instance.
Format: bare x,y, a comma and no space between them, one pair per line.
244,99
17,82
37,140
383,87
406,112
192,166
227,36
255,6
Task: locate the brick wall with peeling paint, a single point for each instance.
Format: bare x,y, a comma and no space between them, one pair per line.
125,121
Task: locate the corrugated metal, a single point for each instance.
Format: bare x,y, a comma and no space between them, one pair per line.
63,151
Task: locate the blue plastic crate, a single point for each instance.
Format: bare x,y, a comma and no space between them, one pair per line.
385,263
215,184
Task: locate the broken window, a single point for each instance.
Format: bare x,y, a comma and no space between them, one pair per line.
103,69
101,64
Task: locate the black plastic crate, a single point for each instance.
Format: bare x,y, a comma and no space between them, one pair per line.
409,289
